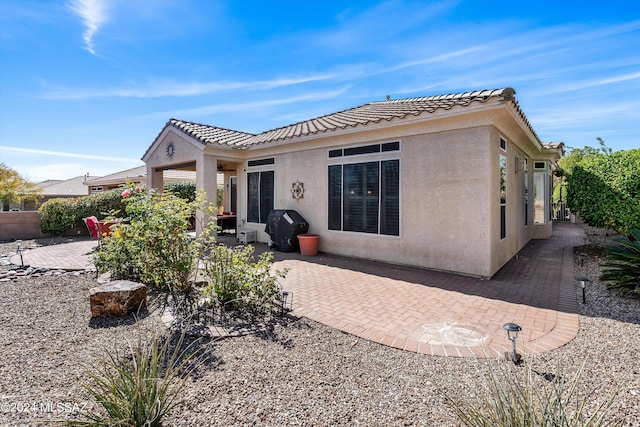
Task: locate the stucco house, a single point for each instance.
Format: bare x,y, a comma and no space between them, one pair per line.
457,182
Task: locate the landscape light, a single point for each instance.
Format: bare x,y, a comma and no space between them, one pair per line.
582,281
512,333
286,302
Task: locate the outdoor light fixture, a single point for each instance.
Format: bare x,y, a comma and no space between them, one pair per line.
583,284
286,302
512,333
19,250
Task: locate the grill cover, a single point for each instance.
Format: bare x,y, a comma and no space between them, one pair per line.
283,227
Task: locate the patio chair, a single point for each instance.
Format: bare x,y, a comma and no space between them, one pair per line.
92,225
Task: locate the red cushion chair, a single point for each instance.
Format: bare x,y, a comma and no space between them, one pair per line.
92,225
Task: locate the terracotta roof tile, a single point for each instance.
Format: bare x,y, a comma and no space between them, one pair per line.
211,134
362,115
384,110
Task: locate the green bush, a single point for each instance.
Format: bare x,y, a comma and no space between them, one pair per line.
100,205
152,246
138,388
622,268
604,189
236,280
183,189
57,215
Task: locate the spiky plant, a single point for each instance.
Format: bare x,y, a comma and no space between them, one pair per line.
622,268
138,388
509,396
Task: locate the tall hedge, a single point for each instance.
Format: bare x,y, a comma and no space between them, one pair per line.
58,215
184,189
604,189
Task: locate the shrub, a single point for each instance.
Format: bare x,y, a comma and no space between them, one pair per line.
153,246
100,205
183,189
141,387
57,215
236,280
622,268
604,189
506,399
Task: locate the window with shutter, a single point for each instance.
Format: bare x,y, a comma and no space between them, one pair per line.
365,197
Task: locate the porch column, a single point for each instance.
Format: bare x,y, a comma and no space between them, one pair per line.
207,180
154,178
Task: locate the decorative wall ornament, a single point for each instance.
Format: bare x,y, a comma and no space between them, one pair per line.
297,190
171,150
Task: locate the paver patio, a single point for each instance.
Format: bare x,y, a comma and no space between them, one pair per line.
421,310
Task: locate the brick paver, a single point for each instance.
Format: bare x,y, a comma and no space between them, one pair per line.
421,310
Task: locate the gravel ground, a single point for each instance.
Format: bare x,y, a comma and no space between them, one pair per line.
298,372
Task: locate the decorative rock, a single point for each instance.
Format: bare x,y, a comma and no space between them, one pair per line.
117,298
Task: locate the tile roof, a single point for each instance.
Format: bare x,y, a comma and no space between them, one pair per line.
374,112
211,134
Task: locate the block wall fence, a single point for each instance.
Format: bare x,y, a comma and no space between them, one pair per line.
25,225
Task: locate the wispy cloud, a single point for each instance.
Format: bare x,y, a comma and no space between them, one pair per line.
585,84
93,14
65,154
167,88
245,106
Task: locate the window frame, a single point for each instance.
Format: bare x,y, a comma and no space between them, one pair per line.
336,200
503,186
262,212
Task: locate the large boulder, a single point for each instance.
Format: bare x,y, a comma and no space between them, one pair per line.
117,298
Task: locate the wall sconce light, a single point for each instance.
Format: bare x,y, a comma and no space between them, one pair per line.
512,333
582,281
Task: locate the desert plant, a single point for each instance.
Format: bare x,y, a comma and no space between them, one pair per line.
622,268
140,387
235,279
505,398
152,246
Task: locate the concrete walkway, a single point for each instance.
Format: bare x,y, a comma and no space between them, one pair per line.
421,310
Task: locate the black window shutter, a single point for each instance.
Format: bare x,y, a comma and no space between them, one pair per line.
371,197
335,197
390,198
266,195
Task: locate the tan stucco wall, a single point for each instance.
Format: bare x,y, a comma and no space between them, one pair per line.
449,163
445,212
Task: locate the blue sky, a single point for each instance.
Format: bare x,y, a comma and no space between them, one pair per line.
86,85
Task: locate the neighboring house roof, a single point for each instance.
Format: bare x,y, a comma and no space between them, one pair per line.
139,174
67,188
362,115
136,174
48,182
